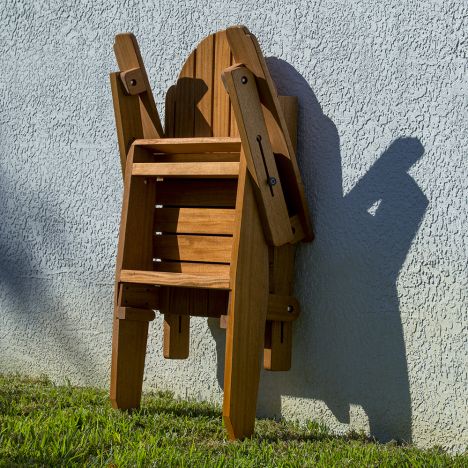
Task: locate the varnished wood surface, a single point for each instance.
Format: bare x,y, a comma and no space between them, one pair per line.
127,53
246,50
241,86
193,248
194,220
197,193
192,144
188,169
247,314
174,279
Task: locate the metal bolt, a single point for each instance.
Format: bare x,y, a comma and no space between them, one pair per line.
244,80
133,82
290,309
272,181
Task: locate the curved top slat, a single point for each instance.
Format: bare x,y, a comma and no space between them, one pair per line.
198,105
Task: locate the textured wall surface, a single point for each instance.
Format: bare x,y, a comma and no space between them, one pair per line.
382,341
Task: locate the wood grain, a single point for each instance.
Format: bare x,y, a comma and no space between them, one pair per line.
174,279
241,86
194,220
128,361
127,118
188,169
247,314
246,50
193,248
127,53
192,144
197,193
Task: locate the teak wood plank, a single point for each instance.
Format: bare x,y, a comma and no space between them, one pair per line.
209,269
176,339
197,193
194,220
184,121
246,50
192,144
176,336
204,88
195,248
196,157
128,58
136,225
241,86
247,314
221,103
128,361
187,169
200,303
174,279
278,334
127,118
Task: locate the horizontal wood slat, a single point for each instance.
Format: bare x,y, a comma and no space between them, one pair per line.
194,220
187,169
174,279
192,145
193,248
196,157
209,193
211,269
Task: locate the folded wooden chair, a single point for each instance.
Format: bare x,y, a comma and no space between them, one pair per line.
213,207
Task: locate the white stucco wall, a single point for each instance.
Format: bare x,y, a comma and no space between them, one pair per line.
382,341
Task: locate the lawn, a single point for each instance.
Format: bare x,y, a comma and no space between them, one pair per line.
46,425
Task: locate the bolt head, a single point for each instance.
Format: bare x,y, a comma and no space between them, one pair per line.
272,181
244,80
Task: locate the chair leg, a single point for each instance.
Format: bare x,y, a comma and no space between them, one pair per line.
246,322
128,357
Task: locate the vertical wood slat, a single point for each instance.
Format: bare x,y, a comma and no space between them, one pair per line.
233,129
277,353
176,330
136,237
169,114
184,99
127,118
200,107
176,338
129,339
247,314
203,88
127,53
221,103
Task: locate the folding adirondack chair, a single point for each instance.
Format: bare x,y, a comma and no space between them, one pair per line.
213,207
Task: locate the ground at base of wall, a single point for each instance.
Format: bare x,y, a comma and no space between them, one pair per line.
46,425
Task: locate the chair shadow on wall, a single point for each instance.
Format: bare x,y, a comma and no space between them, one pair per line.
348,343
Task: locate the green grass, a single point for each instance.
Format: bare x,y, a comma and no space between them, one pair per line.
46,425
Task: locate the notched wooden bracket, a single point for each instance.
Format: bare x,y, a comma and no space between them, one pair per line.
133,81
